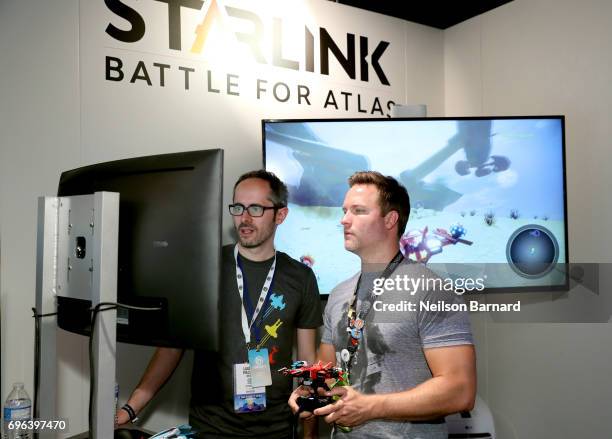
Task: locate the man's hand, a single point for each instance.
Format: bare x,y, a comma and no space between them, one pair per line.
300,391
122,417
353,408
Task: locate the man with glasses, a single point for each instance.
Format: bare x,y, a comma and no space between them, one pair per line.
267,301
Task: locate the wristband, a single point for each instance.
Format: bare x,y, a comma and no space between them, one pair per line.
130,411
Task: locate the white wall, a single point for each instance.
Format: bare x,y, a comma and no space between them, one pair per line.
58,113
547,57
39,135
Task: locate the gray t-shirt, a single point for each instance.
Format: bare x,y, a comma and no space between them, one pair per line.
390,357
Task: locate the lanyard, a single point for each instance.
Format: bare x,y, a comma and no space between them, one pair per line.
263,296
356,320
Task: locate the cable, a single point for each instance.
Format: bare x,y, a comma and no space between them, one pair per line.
49,314
37,318
95,310
114,305
92,377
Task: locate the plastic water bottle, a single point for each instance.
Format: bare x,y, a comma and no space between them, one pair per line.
18,407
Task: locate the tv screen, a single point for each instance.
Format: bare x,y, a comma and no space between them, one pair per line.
487,194
169,246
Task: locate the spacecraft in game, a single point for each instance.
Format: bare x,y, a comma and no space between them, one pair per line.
475,138
420,246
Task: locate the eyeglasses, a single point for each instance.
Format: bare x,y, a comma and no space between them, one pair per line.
254,210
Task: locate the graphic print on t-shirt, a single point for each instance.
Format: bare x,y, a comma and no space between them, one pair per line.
276,303
271,331
272,354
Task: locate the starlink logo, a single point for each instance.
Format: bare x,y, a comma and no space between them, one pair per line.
356,60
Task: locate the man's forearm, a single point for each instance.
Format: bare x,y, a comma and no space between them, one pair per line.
140,398
436,397
160,368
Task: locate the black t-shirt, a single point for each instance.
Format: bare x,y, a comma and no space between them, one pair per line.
294,301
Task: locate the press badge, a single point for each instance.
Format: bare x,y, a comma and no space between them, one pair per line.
247,399
259,362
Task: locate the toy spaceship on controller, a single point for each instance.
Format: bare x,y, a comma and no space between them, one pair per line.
418,246
315,376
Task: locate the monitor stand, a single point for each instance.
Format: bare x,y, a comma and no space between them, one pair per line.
63,224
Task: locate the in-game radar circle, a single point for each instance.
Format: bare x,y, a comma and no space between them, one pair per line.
532,251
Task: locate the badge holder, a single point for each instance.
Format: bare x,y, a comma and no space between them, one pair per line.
247,399
259,363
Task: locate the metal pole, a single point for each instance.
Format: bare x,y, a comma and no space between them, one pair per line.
104,289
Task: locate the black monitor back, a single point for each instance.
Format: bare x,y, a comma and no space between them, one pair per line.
169,246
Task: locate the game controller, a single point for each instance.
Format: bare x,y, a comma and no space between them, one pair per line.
315,377
311,403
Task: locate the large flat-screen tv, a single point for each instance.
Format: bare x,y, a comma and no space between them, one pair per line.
488,197
169,246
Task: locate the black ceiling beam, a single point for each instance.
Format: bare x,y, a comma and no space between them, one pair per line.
438,14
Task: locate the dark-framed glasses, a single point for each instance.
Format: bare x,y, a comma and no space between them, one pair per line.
254,210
